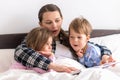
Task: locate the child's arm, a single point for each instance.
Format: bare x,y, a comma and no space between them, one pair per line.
104,50
107,59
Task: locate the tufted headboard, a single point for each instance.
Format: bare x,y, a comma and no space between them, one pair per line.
10,41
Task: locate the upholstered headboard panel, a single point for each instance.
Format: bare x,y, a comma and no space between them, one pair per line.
102,32
9,41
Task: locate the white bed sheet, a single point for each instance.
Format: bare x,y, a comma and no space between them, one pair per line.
6,58
86,74
111,73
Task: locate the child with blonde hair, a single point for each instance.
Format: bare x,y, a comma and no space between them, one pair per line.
87,53
40,40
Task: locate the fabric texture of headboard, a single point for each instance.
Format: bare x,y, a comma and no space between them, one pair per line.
11,41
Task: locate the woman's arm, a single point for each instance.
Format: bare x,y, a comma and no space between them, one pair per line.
30,58
61,68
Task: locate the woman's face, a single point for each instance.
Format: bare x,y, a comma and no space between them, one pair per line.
52,21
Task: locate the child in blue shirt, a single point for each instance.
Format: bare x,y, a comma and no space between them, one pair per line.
87,53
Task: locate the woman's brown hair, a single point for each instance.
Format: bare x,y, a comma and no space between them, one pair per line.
48,8
63,37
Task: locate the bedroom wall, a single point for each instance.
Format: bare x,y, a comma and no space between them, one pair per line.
19,16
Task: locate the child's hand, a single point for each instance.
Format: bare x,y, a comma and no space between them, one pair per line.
107,59
46,54
80,53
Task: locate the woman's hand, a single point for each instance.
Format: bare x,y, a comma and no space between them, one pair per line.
61,68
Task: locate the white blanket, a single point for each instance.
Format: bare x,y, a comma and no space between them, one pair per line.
86,73
111,73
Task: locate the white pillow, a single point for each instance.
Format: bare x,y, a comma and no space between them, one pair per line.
112,42
6,58
69,62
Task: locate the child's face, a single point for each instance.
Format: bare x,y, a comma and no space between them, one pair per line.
48,46
77,41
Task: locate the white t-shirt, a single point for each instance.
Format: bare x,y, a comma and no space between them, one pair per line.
62,51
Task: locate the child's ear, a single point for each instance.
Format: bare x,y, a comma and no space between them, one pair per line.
88,37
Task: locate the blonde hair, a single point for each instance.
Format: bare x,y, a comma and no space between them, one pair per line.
81,25
37,38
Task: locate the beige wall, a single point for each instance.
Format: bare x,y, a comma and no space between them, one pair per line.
18,16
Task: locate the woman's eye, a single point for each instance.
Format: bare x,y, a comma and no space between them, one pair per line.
48,22
57,20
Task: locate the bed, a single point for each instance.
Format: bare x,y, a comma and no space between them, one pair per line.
109,38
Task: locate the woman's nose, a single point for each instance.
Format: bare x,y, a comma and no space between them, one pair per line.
54,24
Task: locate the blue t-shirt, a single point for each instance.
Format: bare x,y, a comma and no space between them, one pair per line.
91,57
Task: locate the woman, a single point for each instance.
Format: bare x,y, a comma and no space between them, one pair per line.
50,17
